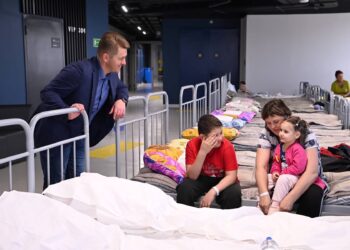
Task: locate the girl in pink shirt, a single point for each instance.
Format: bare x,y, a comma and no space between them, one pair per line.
289,160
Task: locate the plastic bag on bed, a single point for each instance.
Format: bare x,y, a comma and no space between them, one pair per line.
247,116
238,123
163,160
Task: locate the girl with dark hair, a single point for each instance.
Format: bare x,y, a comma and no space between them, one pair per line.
309,189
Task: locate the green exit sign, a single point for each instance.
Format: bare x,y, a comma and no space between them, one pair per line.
95,42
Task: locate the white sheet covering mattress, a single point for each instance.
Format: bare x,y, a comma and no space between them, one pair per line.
143,210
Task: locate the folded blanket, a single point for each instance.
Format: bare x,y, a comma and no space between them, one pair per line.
246,158
157,179
339,184
250,193
342,201
246,177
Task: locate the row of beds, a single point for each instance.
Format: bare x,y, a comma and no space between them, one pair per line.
330,125
98,212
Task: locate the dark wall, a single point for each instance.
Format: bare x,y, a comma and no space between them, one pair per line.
96,22
12,62
12,80
183,41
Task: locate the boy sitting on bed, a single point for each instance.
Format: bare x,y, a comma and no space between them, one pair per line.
211,168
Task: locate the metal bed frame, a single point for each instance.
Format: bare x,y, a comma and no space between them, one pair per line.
30,152
85,137
149,128
192,110
27,154
334,104
200,106
214,94
302,87
224,88
187,108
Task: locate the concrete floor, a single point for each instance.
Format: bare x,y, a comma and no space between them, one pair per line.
102,156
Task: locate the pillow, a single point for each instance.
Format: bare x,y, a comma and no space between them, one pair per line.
179,144
230,133
232,113
167,150
163,160
190,133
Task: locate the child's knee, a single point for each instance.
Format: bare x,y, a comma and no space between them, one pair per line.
287,179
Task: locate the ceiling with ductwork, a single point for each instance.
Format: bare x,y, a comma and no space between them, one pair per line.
148,14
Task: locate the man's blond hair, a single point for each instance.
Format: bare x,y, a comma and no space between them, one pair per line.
110,42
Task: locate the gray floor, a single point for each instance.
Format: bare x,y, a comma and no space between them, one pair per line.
105,164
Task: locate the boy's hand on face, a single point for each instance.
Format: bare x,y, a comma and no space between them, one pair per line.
208,144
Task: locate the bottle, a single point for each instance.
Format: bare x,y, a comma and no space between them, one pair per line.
269,244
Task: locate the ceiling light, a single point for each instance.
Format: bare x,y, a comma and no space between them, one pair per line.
303,1
139,28
144,32
124,9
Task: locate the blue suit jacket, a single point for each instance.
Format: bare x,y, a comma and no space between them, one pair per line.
77,83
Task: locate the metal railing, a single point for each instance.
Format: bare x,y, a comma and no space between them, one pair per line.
187,108
214,94
134,135
136,130
43,115
31,150
27,154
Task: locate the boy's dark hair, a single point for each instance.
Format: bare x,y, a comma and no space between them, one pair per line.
275,107
207,123
242,82
299,125
338,72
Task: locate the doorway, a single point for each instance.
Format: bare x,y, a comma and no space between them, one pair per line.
44,54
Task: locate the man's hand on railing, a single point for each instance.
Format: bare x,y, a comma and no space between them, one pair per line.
80,107
118,109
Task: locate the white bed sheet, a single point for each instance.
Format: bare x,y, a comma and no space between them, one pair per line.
35,222
143,210
32,221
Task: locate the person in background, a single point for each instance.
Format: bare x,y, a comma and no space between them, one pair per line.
289,160
92,85
211,168
340,86
242,90
309,190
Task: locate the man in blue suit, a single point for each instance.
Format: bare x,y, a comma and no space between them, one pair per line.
92,85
